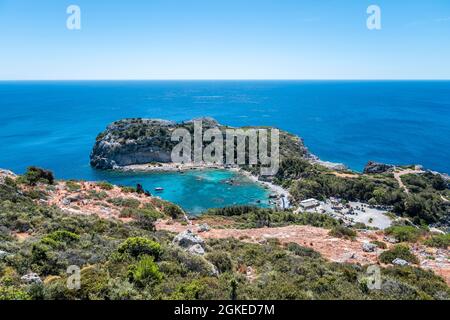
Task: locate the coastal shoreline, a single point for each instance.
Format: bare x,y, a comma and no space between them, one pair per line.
280,195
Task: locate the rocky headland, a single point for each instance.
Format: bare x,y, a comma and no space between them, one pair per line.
144,141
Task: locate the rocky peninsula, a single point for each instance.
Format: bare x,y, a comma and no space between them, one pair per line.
139,141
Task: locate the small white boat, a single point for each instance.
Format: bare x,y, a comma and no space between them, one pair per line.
159,189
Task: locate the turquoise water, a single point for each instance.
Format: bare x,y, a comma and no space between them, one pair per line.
197,190
54,124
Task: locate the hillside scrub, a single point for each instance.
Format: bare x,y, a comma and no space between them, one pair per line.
129,261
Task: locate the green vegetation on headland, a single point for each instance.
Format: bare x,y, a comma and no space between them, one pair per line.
142,141
424,204
133,261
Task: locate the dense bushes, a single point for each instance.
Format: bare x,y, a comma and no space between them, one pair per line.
144,272
405,233
252,217
10,293
400,252
363,188
232,211
138,246
426,181
35,175
125,202
302,251
343,232
173,210
221,260
424,204
439,241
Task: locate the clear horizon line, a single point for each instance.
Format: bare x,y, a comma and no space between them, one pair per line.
232,79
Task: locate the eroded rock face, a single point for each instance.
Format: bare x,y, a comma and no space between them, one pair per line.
133,141
376,167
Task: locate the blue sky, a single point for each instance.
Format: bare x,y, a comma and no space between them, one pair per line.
227,39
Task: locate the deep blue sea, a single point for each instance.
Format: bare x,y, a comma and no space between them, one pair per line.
54,124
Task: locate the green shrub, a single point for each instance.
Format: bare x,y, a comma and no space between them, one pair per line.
105,185
379,244
93,194
343,232
125,202
144,272
73,186
404,233
35,175
191,291
299,250
221,260
60,238
146,218
63,236
399,251
128,189
138,246
173,210
438,241
11,293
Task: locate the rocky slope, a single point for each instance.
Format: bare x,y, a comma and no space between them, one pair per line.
111,233
140,141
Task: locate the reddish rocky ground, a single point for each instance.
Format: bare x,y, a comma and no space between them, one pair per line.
82,202
334,249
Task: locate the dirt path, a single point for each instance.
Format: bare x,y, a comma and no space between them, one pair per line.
331,248
398,175
345,175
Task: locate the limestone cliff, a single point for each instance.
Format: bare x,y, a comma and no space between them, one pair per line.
139,141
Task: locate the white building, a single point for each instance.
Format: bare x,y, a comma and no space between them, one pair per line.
309,204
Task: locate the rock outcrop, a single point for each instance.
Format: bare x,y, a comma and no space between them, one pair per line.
6,174
369,247
400,262
132,141
377,167
187,239
31,278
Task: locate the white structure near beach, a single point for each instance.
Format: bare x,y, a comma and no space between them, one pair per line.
309,204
